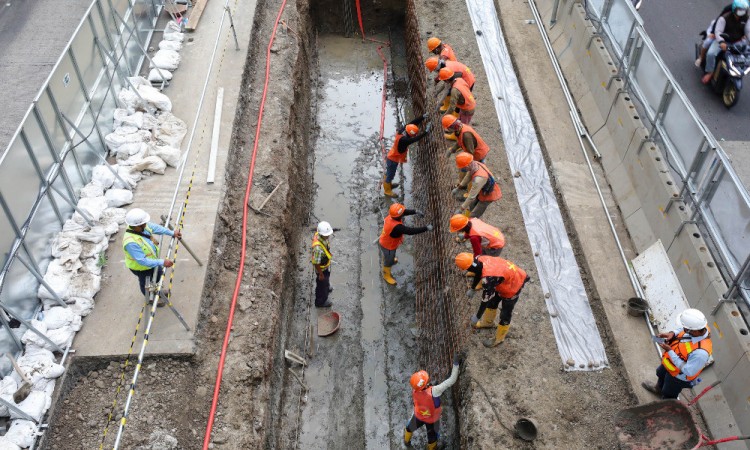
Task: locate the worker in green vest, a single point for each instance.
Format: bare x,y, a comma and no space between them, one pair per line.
141,248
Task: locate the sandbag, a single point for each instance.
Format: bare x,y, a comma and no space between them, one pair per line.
91,265
65,247
131,148
21,433
93,234
116,215
85,285
33,406
173,32
168,154
155,77
149,122
31,338
58,281
153,96
58,317
118,197
126,135
129,176
81,306
93,249
6,443
152,164
171,130
130,100
175,46
8,386
122,117
91,190
102,176
166,59
93,206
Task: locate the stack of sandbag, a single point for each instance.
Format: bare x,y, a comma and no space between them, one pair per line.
167,58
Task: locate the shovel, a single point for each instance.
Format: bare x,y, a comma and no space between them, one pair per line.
25,389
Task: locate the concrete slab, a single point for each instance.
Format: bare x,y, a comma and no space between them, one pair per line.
110,328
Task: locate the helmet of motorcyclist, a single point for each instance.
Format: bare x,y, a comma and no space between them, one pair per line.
740,7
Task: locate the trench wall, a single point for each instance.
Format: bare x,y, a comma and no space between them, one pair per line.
642,184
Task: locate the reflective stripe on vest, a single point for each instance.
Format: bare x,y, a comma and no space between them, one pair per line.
481,149
448,53
493,236
394,154
514,276
683,351
466,74
319,243
469,102
146,246
388,242
424,406
480,170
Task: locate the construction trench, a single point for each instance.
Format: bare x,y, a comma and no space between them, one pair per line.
326,124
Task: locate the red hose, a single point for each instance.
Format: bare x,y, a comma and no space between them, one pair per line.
382,107
359,18
225,344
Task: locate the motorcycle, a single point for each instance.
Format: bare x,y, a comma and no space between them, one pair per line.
731,66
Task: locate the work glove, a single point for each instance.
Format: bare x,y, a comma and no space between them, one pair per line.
458,358
428,128
470,293
454,192
429,227
419,213
466,212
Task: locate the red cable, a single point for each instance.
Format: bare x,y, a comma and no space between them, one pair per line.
382,107
359,18
220,372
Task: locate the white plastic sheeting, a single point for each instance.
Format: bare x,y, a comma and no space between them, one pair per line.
573,323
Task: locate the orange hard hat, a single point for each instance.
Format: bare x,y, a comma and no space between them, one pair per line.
445,74
448,120
464,260
419,380
432,63
396,210
463,159
433,43
458,222
412,129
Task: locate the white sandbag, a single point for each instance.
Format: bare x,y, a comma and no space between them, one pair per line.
165,59
85,285
110,228
173,32
91,265
159,75
168,154
138,82
58,317
21,433
118,197
58,281
65,247
175,46
93,234
6,443
131,148
31,338
122,117
153,96
153,164
149,122
93,250
126,135
126,160
102,176
91,190
93,206
61,336
171,130
72,225
82,306
8,386
115,215
33,406
129,176
130,100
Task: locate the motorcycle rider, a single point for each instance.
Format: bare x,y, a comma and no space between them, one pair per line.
710,36
736,26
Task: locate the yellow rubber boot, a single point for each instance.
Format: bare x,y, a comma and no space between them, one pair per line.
387,276
407,437
502,331
431,446
388,190
446,103
487,320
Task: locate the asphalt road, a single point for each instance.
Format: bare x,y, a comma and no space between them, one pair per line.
673,26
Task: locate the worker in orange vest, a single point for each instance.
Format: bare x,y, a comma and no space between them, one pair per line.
485,239
393,234
501,281
484,190
441,49
398,154
427,406
467,138
462,101
686,353
460,70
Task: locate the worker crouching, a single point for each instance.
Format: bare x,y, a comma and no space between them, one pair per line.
501,282
392,236
484,188
484,238
462,101
440,48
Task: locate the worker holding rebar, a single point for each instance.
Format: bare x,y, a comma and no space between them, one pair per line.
484,187
435,63
427,404
321,261
393,234
484,238
141,248
462,102
399,150
501,282
686,353
440,48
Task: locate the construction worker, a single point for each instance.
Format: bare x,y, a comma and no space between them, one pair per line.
686,353
501,282
393,235
484,187
461,99
441,49
321,261
427,407
485,239
398,154
460,70
141,248
467,138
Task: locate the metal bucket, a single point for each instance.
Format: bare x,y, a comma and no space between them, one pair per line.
526,429
637,306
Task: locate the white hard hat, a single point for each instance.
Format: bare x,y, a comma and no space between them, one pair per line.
692,319
136,216
324,229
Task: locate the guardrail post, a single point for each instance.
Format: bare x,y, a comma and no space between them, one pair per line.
729,294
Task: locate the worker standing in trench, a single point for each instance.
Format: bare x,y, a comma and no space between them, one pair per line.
321,261
501,282
484,238
427,405
484,188
392,236
462,101
399,150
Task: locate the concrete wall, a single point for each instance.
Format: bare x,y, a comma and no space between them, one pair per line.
643,185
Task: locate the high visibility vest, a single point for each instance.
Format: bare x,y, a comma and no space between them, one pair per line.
424,406
448,53
492,236
481,149
514,276
149,249
325,262
469,102
466,74
394,154
480,170
683,350
388,242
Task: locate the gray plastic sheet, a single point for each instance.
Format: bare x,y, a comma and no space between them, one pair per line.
573,323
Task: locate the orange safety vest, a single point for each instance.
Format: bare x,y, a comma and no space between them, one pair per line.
394,154
388,242
465,71
447,53
683,350
424,406
481,149
514,276
480,170
493,236
469,102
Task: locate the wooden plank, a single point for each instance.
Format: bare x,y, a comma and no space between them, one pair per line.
215,137
195,14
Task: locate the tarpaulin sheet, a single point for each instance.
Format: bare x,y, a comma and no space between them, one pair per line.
577,335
